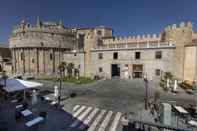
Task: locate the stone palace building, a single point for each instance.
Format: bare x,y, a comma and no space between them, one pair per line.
39,49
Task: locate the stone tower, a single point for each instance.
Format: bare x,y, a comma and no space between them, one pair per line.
93,38
90,40
179,35
38,49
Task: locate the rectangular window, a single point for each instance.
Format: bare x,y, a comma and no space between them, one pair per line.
100,69
158,54
137,55
100,55
115,55
157,72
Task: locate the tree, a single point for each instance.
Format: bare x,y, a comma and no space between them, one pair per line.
70,67
168,75
62,67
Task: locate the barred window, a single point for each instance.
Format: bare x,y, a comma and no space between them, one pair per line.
158,54
100,69
100,55
115,55
137,55
157,72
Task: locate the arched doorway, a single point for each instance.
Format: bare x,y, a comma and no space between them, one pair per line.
115,70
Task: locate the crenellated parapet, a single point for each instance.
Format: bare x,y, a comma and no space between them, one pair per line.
133,39
43,34
181,33
181,25
45,27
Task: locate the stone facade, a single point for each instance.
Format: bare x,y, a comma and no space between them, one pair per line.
95,51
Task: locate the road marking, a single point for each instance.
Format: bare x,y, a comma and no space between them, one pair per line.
81,117
106,121
89,118
115,122
79,111
96,121
76,107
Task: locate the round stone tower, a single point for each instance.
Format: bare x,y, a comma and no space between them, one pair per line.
38,49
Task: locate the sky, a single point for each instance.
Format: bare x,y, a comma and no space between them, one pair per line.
126,17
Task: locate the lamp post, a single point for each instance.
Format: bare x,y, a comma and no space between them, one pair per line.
60,87
146,93
4,77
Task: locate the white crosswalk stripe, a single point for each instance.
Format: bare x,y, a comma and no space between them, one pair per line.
89,118
115,122
81,117
94,119
76,107
106,121
79,111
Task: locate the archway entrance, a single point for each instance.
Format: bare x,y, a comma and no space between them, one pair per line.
115,70
1,68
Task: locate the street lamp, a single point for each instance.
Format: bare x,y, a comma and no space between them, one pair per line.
146,87
4,77
60,80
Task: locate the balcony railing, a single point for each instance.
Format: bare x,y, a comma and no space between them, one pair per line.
134,46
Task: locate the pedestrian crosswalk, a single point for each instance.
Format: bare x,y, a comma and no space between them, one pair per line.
94,119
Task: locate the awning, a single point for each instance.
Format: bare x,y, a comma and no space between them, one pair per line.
17,85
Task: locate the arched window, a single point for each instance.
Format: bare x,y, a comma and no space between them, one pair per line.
32,60
99,32
51,56
42,44
22,56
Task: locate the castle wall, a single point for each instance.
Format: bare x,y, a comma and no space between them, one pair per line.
45,45
194,35
190,70
133,39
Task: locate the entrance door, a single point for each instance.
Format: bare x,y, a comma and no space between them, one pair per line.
137,71
115,70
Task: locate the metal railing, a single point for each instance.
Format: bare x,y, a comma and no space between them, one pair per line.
136,125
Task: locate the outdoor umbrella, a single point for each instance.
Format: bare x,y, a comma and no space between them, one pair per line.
13,85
